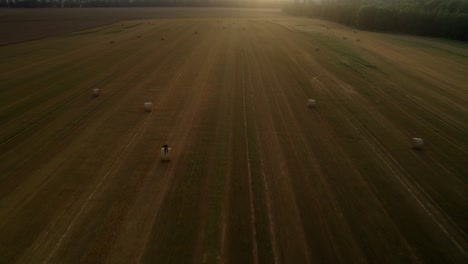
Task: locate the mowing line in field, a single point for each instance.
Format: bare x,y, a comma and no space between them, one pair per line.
413,189
76,124
190,117
166,180
131,142
429,206
225,204
286,108
41,118
445,137
73,99
107,98
274,240
324,120
74,128
83,207
114,164
252,208
422,107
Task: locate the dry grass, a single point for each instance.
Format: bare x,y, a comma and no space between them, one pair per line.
253,168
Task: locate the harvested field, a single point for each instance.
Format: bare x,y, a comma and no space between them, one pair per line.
18,24
255,175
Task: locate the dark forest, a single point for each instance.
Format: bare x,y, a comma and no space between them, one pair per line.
434,18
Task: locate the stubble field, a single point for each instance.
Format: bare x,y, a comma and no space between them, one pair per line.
255,176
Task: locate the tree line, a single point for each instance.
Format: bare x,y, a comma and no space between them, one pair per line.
435,18
132,3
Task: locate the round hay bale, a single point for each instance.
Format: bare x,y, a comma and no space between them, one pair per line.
166,154
148,107
96,92
311,103
162,38
358,40
112,42
317,49
418,143
345,38
196,32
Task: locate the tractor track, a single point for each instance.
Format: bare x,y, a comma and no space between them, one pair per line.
439,116
419,104
183,132
438,216
416,103
255,176
133,138
260,55
73,98
334,137
57,109
271,223
77,123
249,170
159,167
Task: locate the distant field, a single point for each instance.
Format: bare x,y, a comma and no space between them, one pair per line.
23,24
256,176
